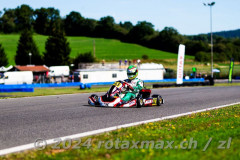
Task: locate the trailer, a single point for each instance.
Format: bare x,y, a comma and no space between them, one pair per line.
58,71
17,77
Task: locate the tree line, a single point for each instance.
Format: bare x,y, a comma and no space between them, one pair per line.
47,21
57,51
229,34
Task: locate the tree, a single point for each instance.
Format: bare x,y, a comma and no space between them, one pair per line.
202,56
192,47
47,20
27,45
88,27
3,57
168,40
7,20
24,17
127,25
105,27
57,50
41,23
72,24
140,32
55,23
1,22
107,22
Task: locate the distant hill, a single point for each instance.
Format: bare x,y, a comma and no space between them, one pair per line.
229,34
108,49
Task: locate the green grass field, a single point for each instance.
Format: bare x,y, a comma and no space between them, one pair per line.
107,49
212,134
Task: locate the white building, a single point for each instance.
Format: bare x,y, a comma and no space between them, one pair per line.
149,71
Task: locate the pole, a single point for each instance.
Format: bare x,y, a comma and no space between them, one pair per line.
210,5
30,54
211,41
94,55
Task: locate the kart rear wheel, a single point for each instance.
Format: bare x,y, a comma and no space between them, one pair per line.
140,102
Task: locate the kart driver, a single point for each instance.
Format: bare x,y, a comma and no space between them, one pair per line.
134,84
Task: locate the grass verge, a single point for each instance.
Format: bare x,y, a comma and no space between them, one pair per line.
189,135
51,91
226,84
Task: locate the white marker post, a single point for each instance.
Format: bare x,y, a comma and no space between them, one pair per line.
180,66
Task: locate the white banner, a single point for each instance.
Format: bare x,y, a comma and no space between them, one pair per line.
180,65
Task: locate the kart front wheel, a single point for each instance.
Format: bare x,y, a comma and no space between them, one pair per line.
159,100
94,97
140,102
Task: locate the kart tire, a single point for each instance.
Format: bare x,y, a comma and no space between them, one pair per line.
140,102
95,97
159,100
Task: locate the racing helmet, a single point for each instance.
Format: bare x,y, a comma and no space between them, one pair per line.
132,72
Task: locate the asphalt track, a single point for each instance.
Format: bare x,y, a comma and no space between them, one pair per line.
23,120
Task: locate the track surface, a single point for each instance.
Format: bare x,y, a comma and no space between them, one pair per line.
23,120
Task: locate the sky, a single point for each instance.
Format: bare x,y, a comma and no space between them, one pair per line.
189,17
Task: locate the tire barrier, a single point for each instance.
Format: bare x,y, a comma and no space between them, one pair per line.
43,85
82,86
30,87
16,90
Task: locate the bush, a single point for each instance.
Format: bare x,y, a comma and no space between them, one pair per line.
170,73
220,57
83,57
202,57
145,57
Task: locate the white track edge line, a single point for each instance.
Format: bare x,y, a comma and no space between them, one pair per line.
94,132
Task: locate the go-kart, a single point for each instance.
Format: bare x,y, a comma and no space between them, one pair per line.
117,91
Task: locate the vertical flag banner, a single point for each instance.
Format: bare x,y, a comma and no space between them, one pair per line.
231,70
180,64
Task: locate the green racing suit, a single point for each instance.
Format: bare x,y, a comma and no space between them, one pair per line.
137,85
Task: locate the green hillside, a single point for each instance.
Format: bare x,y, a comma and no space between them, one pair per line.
107,49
